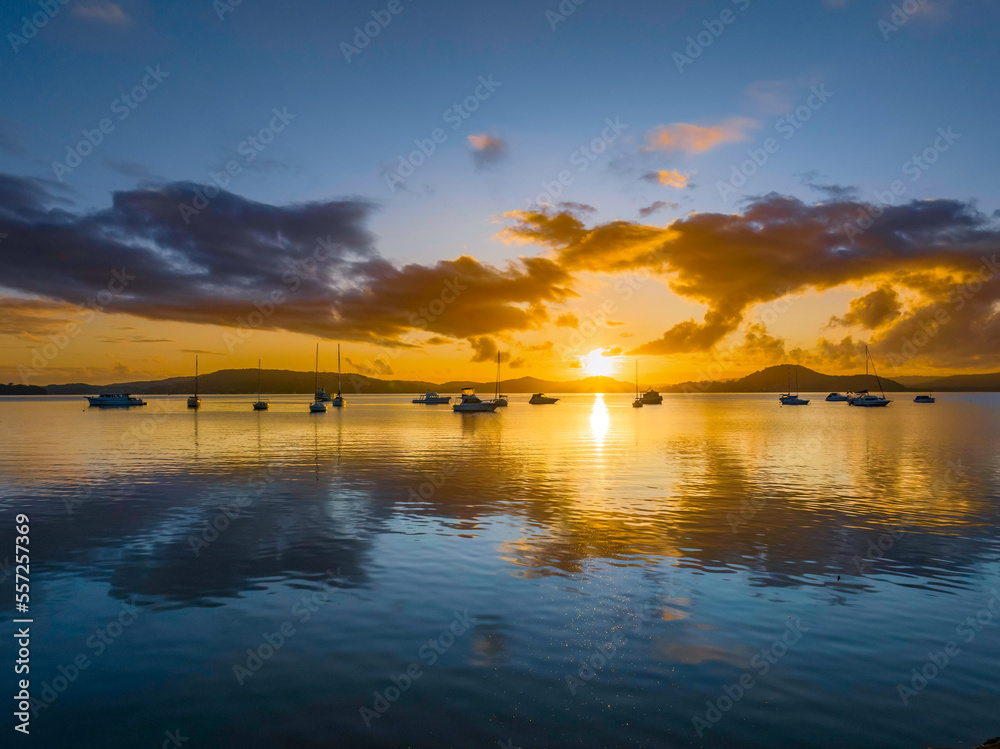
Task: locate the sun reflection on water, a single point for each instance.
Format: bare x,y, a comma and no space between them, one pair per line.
599,419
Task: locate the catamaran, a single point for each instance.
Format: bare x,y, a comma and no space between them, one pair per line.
338,401
317,406
793,400
260,404
193,400
865,399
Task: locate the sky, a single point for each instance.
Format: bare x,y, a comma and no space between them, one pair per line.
706,188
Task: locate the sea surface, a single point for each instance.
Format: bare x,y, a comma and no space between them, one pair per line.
717,571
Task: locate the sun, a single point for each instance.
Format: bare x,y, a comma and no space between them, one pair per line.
597,364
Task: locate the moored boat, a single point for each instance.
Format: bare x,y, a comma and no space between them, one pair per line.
114,400
865,399
470,402
541,399
317,406
924,399
637,403
193,400
837,398
651,398
260,404
793,400
433,399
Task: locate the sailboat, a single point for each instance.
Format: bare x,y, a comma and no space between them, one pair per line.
863,397
193,400
338,401
501,400
637,403
260,405
317,406
793,400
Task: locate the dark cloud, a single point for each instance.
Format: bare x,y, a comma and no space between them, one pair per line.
235,257
829,191
780,245
652,208
487,150
567,320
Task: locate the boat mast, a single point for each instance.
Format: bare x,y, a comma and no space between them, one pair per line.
196,376
316,379
637,379
338,369
876,374
258,380
498,376
796,380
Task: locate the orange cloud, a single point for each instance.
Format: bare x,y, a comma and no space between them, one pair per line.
668,177
691,139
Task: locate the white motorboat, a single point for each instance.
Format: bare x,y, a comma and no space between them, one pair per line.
651,398
317,406
793,400
541,399
260,404
338,400
837,398
193,400
115,400
433,399
470,402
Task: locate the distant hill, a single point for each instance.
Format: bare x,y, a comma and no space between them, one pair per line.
965,382
775,380
769,380
243,381
11,389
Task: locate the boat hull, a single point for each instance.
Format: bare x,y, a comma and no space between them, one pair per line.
261,406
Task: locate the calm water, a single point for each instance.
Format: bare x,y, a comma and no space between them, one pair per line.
578,575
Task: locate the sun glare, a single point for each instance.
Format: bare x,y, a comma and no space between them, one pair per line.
596,364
